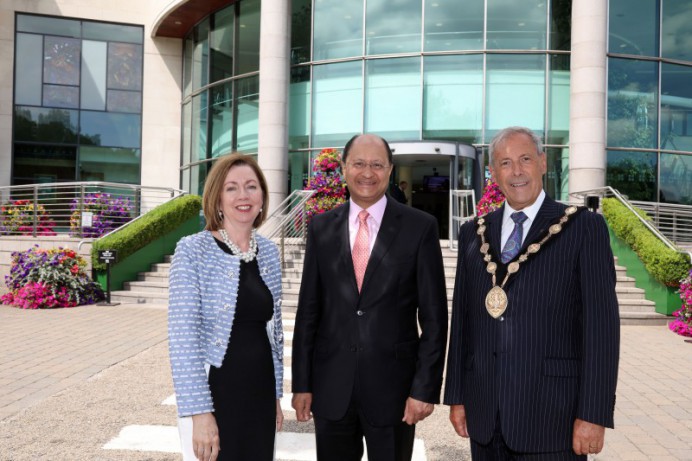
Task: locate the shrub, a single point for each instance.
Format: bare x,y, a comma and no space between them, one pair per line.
109,212
48,278
664,264
682,324
17,218
147,228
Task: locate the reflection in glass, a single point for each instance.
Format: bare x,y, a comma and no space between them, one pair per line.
221,44
515,92
45,125
677,30
198,137
555,181
393,98
188,52
248,37
48,25
43,163
200,55
558,100
392,30
61,60
298,169
633,27
676,108
561,25
61,96
110,129
299,106
633,174
124,101
451,26
337,103
453,98
632,103
338,29
675,183
112,32
221,126
109,164
29,57
516,25
248,114
124,66
301,25
93,86
186,137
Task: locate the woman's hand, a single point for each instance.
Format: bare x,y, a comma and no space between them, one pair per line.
279,416
205,437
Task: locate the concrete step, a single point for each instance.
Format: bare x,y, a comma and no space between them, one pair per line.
154,277
636,305
147,287
629,292
138,297
161,267
643,318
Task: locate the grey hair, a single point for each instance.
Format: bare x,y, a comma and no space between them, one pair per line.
508,132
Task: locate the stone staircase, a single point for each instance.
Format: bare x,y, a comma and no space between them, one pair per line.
152,288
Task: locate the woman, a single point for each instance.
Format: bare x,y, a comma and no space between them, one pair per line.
224,322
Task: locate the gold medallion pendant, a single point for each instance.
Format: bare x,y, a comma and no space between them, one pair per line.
496,302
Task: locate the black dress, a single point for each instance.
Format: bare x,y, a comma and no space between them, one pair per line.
243,388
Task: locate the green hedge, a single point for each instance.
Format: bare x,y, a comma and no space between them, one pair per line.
152,225
665,265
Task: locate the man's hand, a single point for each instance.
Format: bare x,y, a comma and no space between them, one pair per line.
587,438
205,437
416,411
301,403
457,416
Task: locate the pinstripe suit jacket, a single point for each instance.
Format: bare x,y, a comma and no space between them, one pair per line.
553,356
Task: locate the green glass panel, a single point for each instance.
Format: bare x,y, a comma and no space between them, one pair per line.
518,80
632,103
109,164
676,107
453,98
221,44
200,55
633,27
113,32
338,29
555,181
633,174
560,25
198,136
453,25
45,125
558,100
514,25
337,104
94,67
48,25
299,106
676,30
248,37
301,25
392,30
110,129
43,163
675,183
221,126
29,58
248,114
393,98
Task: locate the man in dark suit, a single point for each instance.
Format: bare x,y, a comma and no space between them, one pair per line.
373,273
534,344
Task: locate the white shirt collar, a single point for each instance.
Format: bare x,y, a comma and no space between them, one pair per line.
530,211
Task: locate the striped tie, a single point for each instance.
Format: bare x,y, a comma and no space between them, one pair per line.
513,245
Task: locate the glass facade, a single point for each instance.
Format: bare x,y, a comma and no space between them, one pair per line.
429,70
77,101
649,134
220,89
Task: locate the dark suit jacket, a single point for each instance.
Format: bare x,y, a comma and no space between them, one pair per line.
554,355
371,340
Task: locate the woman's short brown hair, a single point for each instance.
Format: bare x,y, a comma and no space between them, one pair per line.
214,186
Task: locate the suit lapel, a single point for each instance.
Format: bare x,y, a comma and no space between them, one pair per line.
494,220
344,250
385,236
544,218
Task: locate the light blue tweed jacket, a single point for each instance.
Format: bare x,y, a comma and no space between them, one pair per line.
202,301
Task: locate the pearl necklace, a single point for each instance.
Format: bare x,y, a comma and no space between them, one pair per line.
246,256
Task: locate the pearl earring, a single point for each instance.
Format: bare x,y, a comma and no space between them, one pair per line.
220,214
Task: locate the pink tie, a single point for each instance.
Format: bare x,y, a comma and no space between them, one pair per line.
361,248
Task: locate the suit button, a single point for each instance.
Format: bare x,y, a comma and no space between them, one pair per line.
354,348
218,342
360,313
502,319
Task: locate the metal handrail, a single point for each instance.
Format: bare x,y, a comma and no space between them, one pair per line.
61,207
608,191
288,222
462,208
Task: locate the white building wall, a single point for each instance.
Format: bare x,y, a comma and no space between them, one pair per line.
161,84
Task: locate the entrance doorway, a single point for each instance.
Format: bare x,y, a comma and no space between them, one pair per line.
431,169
